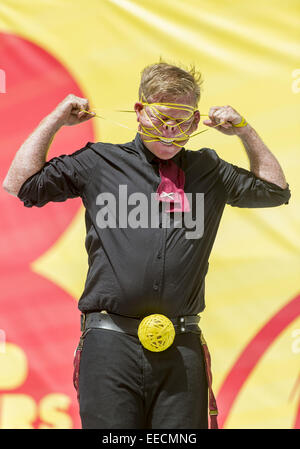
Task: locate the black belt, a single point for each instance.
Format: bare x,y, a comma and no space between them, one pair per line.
110,321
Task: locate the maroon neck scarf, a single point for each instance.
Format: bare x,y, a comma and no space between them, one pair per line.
171,187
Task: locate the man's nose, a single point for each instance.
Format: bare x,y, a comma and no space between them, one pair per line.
169,126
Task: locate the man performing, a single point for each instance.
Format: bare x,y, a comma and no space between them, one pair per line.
142,361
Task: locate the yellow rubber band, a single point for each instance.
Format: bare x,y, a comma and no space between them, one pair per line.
242,123
153,137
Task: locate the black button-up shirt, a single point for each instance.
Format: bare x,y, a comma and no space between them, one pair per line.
136,271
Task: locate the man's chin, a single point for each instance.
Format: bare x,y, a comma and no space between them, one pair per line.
165,151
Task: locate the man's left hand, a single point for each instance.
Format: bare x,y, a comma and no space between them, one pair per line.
230,117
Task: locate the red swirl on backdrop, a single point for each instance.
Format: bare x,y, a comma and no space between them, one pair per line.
250,357
36,314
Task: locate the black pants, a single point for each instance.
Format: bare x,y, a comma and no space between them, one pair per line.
122,385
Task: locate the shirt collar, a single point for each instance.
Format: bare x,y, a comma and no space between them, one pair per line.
143,150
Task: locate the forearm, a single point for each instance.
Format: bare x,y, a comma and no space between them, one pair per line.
262,162
31,156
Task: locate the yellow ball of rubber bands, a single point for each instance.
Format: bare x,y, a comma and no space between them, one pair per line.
156,332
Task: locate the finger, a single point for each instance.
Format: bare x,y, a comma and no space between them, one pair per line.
219,115
80,104
85,106
90,115
86,115
219,112
213,108
224,116
212,111
81,114
208,123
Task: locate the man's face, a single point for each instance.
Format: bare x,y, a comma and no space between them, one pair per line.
168,135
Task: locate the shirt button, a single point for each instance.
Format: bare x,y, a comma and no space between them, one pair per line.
155,286
159,255
160,225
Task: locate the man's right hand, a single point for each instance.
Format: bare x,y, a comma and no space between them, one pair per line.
31,156
69,111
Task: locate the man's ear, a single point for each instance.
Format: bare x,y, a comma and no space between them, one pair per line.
196,119
138,107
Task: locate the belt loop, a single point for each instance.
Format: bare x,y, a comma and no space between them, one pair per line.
82,322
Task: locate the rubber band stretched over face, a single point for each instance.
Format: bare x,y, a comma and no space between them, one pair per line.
177,106
155,138
155,112
154,109
145,133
